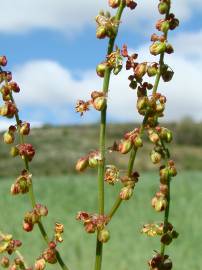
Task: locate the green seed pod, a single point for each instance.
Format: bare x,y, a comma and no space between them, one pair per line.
163,8
101,32
104,236
101,69
158,48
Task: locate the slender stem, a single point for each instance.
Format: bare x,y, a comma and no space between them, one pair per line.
32,196
102,141
18,253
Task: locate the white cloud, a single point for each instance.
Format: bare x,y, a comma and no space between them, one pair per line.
47,83
68,16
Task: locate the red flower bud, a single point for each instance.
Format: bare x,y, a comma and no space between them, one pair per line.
5,262
26,150
28,227
82,164
125,146
3,61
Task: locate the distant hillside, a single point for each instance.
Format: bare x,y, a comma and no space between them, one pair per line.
58,148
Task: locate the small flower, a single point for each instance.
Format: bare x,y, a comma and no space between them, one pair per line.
82,107
49,255
111,174
95,159
59,229
126,193
152,229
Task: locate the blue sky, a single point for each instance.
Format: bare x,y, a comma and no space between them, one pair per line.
53,53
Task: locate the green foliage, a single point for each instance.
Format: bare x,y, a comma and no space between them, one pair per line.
64,197
50,143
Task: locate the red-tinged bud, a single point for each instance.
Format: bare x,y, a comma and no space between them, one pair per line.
25,129
169,49
28,227
52,245
8,138
101,68
124,51
101,32
152,70
164,189
155,157
9,109
3,61
94,159
158,48
114,3
8,76
138,142
15,189
82,164
99,103
126,193
49,256
14,87
40,264
104,236
41,210
125,146
5,262
163,7
89,227
140,70
131,4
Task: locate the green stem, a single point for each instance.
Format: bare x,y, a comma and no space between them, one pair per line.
102,142
32,196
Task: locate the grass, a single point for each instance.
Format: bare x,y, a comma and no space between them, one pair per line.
127,249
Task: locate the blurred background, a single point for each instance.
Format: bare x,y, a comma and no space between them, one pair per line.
52,51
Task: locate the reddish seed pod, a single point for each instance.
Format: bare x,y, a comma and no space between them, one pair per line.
3,61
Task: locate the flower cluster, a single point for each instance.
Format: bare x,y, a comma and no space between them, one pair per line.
92,160
160,262
22,183
8,244
95,222
33,217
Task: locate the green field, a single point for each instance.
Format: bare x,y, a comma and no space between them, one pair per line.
128,249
